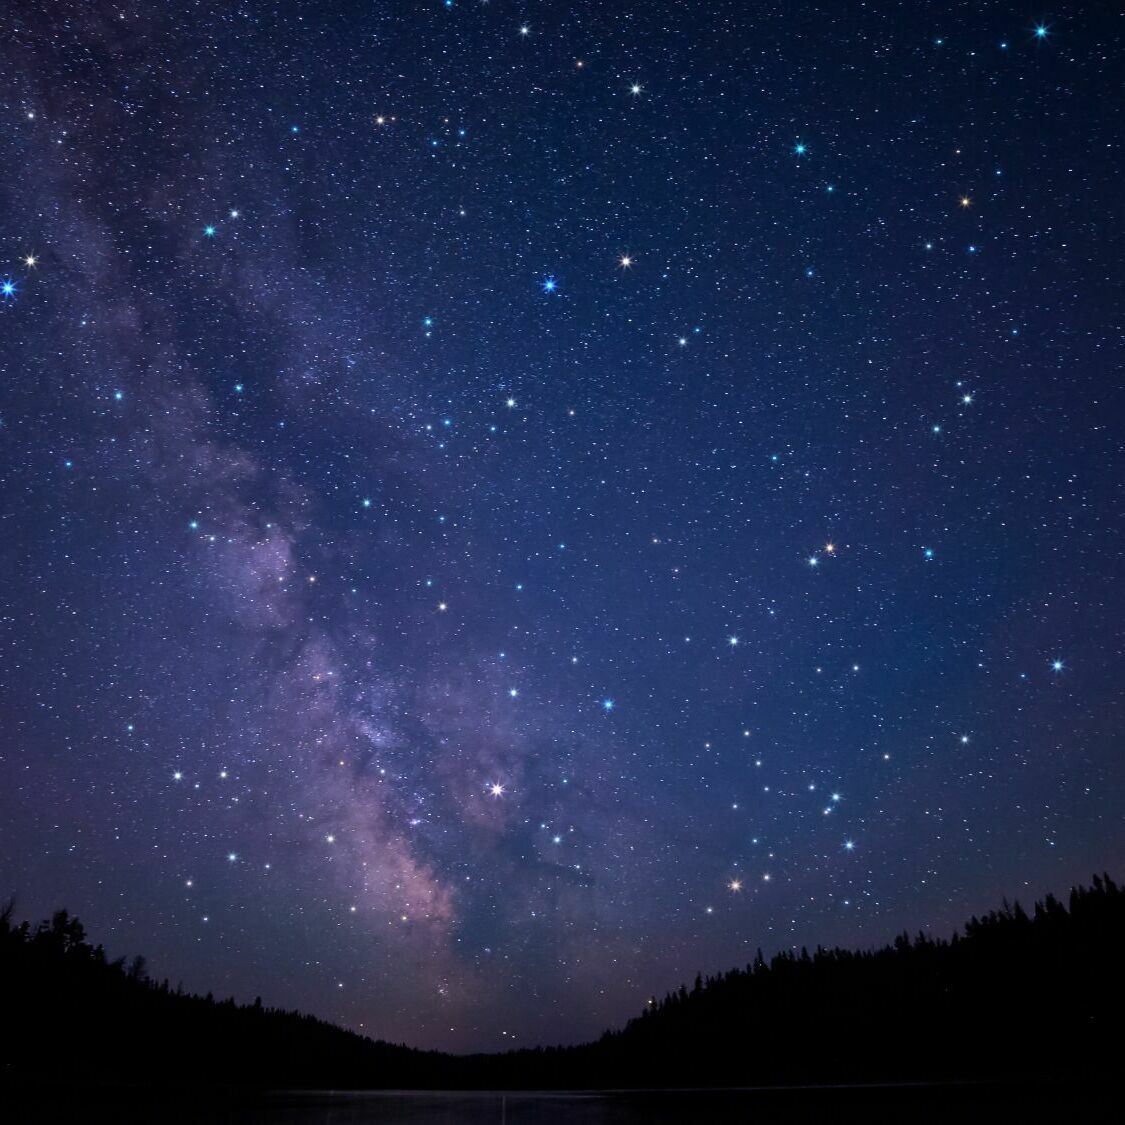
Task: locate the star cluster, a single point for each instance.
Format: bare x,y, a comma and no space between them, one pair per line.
505,508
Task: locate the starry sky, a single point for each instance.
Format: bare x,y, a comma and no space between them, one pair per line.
506,505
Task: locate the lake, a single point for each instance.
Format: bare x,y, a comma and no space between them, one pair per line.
870,1105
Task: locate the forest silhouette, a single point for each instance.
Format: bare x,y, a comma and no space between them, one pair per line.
1015,995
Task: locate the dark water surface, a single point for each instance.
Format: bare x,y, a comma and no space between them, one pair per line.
869,1105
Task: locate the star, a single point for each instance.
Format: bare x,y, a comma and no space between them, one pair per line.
1057,665
232,857
625,261
965,201
496,789
849,845
31,261
209,231
608,705
735,885
510,403
800,148
8,289
635,89
525,30
732,641
1041,31
829,548
549,285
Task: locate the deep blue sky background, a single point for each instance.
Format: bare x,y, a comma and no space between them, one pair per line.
412,614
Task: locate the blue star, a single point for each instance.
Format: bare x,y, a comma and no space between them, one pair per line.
608,705
800,148
1057,665
549,285
8,289
1041,31
208,231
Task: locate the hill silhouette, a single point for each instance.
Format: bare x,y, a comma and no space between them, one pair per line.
1015,995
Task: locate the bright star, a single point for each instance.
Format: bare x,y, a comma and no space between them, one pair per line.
608,705
1041,31
814,561
636,89
966,201
525,30
7,289
549,285
735,885
177,776
209,231
31,261
849,846
800,148
732,641
232,857
496,789
1057,665
626,261
510,403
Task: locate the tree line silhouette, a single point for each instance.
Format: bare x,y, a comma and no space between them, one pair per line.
1014,995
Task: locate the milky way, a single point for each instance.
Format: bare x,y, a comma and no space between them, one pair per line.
506,507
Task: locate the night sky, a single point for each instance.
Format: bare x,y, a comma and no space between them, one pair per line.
506,506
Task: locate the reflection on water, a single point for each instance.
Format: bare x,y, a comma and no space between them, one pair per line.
915,1105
